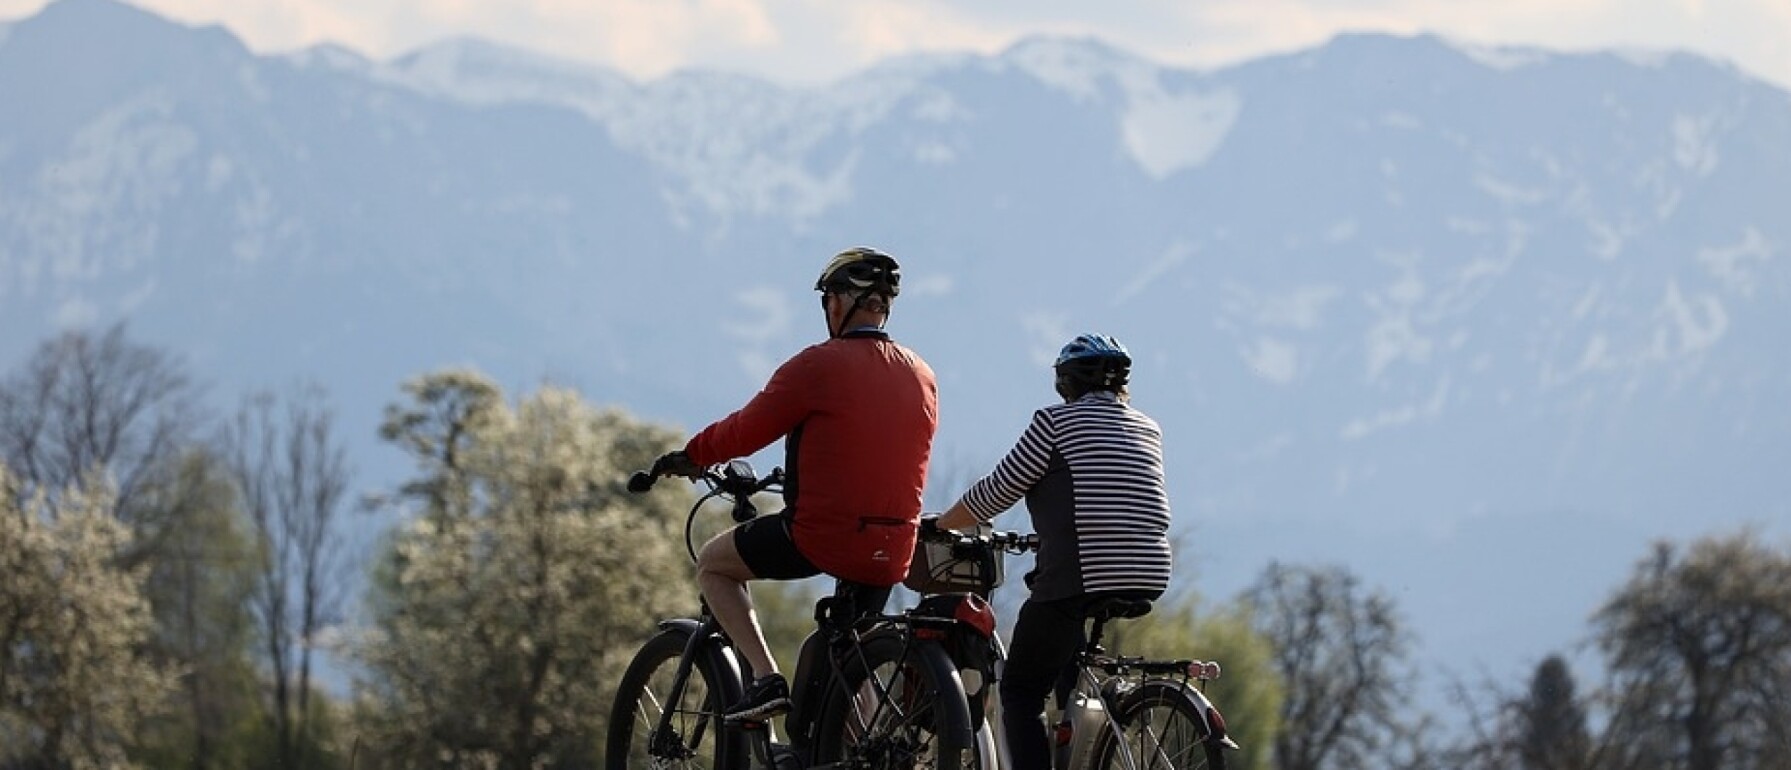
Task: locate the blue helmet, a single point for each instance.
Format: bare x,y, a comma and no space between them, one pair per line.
1093,348
1091,362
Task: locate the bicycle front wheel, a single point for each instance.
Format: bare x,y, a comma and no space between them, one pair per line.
1162,729
901,706
693,736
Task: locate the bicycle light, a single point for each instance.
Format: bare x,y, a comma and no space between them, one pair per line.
1203,670
1216,722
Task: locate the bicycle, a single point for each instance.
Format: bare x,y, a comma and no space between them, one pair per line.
871,690
1124,712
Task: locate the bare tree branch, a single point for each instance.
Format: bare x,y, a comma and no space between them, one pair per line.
291,476
1699,644
85,404
1340,653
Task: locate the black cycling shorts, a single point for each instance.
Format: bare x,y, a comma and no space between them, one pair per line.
768,547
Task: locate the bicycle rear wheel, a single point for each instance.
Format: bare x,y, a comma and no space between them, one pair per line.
1162,729
696,738
902,706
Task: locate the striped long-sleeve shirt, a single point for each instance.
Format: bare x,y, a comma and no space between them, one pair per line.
1091,471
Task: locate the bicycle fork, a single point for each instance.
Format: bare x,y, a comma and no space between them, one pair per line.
665,741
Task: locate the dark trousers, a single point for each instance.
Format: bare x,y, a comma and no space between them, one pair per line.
1047,636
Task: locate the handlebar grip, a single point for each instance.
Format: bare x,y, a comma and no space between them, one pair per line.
640,482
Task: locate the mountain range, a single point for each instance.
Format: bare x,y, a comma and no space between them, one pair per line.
1476,322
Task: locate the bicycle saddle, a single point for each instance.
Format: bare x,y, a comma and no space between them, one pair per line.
1108,609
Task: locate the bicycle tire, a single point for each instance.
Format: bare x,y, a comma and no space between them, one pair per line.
701,742
925,723
1164,730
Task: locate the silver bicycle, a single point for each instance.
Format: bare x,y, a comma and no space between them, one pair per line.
1124,713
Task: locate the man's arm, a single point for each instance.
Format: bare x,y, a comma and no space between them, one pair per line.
773,412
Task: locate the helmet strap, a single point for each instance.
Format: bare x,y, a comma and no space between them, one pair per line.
833,332
858,298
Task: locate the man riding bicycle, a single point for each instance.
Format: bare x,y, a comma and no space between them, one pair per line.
858,413
1091,470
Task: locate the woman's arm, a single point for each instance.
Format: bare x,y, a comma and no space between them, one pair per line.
1008,482
958,516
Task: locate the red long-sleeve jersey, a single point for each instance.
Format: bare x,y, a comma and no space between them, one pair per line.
857,414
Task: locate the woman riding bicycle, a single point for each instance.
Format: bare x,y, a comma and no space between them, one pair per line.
1091,470
857,413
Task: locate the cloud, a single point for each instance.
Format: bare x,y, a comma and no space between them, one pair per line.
1275,360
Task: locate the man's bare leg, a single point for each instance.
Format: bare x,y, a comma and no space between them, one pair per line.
722,576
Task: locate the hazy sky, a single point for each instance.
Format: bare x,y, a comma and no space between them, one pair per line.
814,41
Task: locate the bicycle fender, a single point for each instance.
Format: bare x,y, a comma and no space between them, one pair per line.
1207,710
955,711
687,625
993,700
721,655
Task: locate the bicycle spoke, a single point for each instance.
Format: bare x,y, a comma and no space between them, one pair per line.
1171,744
1161,729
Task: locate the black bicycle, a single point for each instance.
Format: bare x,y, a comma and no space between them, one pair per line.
871,690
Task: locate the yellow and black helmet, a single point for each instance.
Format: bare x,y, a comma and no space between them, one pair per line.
861,270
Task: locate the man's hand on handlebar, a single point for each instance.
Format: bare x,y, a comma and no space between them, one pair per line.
676,464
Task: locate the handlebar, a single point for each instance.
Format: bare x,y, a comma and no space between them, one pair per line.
734,479
964,544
